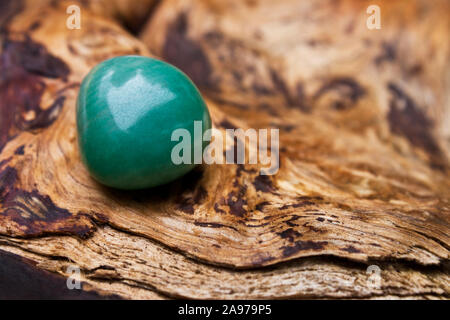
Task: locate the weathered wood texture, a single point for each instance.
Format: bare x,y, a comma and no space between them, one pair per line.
364,150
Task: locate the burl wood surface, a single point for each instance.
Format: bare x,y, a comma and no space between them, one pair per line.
364,119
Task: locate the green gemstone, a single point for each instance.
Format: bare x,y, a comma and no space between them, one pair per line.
127,109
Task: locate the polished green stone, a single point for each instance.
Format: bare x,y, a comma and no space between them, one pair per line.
127,109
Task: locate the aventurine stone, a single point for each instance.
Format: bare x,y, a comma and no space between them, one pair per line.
127,109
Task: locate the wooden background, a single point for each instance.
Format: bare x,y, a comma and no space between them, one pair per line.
364,119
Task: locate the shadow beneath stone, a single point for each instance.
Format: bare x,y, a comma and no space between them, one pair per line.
175,191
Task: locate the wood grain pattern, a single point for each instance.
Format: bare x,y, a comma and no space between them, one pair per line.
364,150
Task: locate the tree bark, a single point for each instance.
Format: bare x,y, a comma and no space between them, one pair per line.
364,152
